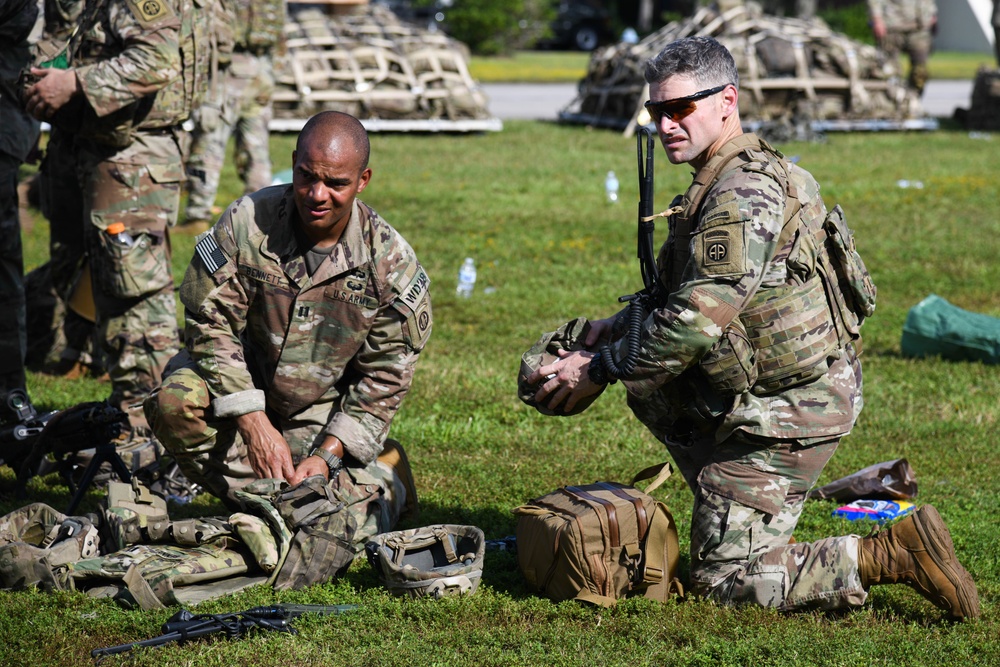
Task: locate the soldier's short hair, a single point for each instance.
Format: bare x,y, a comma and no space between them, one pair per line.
336,121
703,59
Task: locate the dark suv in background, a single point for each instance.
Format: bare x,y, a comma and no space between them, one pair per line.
580,25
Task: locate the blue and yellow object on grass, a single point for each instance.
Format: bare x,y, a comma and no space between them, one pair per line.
876,510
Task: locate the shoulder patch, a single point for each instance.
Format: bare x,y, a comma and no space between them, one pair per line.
721,250
210,253
415,306
148,12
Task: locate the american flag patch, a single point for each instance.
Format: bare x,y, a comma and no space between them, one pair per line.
211,254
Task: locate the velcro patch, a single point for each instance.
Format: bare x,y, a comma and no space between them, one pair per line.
415,305
210,253
147,12
721,250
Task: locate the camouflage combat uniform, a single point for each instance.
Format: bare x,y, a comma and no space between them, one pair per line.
750,459
129,170
18,133
241,108
328,354
908,25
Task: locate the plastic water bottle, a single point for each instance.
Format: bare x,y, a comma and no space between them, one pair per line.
120,237
611,187
466,278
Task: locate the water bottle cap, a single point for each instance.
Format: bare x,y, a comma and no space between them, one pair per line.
116,228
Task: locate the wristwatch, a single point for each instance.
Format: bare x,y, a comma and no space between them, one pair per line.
597,373
333,462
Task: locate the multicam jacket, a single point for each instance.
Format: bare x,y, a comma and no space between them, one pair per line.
261,329
715,261
904,15
129,53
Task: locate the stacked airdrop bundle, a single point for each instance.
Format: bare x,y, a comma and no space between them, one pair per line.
794,73
370,64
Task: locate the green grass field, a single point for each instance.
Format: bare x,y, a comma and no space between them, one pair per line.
527,203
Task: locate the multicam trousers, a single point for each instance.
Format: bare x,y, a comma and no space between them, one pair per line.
244,114
748,496
133,282
210,451
916,44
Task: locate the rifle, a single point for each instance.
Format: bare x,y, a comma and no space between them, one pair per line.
184,625
63,434
646,298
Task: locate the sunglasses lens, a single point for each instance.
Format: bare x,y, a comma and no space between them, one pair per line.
675,111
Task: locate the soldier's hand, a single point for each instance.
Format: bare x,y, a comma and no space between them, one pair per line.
309,466
564,380
268,452
54,89
878,28
600,330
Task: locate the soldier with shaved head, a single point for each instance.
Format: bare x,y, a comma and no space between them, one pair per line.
305,316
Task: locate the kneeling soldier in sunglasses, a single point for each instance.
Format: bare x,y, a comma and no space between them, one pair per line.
747,364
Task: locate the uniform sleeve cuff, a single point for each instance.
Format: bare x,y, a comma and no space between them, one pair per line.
240,403
359,439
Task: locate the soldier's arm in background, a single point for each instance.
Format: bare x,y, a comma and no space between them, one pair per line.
149,61
876,17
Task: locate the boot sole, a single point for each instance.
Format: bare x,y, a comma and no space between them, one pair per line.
935,535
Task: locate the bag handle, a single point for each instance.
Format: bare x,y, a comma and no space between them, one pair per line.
658,473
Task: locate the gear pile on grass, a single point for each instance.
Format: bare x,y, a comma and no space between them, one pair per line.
792,71
372,65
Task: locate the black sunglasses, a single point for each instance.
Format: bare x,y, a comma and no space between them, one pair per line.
680,108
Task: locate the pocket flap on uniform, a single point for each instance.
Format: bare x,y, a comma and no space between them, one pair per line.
762,491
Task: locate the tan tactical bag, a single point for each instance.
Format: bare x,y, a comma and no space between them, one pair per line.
600,542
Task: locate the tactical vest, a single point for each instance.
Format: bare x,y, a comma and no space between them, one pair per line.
786,335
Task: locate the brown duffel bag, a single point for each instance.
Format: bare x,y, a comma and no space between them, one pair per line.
600,542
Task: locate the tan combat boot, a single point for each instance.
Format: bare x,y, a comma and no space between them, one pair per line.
918,552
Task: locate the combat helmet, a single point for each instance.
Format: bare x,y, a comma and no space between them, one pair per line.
569,337
435,561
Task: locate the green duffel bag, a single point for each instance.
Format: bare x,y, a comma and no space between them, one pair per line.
936,328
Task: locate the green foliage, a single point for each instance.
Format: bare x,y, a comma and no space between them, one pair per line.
850,19
491,27
528,204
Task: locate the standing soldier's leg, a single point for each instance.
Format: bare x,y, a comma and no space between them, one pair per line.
133,279
253,155
208,154
918,46
13,339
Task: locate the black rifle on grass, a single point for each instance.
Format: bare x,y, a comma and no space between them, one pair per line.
184,626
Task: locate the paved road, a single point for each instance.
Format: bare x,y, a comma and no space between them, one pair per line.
544,101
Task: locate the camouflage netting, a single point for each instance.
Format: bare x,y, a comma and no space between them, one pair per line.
791,71
374,66
984,114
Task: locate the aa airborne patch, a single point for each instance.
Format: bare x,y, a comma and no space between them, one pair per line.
148,12
721,250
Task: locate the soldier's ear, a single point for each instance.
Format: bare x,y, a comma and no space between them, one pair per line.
364,178
730,101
